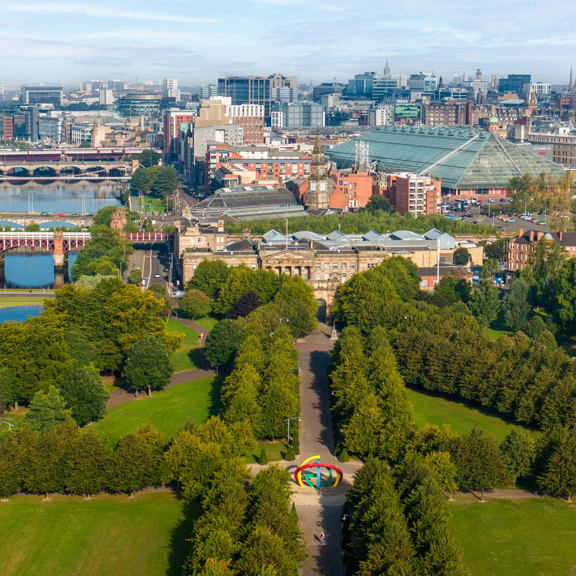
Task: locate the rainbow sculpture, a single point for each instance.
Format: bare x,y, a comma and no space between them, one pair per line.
305,476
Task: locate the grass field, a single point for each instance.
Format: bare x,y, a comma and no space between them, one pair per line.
187,356
460,418
8,301
517,538
168,410
207,322
104,536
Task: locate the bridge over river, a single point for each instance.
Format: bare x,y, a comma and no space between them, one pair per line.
61,243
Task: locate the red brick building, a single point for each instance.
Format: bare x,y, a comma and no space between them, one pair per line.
520,248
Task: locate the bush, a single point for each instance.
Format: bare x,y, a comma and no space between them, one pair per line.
344,456
263,457
290,455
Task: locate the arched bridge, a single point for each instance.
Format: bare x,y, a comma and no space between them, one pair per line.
64,170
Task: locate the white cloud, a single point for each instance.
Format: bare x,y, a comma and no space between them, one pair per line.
96,12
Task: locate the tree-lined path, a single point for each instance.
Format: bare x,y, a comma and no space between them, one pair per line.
319,510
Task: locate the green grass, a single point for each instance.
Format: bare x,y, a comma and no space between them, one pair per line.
495,333
149,204
8,301
187,356
207,322
168,410
517,538
107,535
274,451
461,418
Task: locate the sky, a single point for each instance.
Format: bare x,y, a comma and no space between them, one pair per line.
68,41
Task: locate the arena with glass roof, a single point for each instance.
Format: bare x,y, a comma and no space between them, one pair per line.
463,158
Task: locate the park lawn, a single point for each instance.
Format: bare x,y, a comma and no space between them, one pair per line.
533,537
460,417
274,451
495,333
9,301
187,356
149,204
107,535
208,322
168,410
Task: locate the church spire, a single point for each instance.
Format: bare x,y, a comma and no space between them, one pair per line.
571,83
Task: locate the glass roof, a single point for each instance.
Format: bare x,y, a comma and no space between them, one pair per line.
462,157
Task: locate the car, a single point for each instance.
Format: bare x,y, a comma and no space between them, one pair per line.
542,222
511,220
156,275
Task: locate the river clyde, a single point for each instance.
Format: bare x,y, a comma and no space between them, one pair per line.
28,269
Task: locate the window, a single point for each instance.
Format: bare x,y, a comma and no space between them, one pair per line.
335,266
353,266
344,266
318,266
318,275
326,276
326,266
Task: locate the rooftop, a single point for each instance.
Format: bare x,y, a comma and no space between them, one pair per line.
462,157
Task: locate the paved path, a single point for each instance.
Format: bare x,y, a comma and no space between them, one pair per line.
319,510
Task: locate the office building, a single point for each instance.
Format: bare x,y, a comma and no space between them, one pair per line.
134,105
41,95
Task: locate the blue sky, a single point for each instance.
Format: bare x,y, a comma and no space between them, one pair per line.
66,41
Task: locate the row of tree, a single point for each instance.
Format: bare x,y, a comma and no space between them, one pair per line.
155,181
399,524
63,458
246,527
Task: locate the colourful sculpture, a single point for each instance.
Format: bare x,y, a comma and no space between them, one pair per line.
306,477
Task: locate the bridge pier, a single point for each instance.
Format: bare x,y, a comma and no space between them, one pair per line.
2,270
58,250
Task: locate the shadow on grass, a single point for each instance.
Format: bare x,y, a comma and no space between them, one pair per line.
215,406
179,540
197,358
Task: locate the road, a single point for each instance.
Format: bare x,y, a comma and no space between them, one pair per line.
319,510
151,263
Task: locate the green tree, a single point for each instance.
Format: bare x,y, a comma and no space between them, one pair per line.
480,462
136,277
209,276
461,257
559,477
564,300
148,365
148,158
84,394
104,216
166,181
105,245
138,461
15,449
46,410
195,304
141,180
519,451
516,305
88,465
379,203
497,250
484,303
223,341
46,470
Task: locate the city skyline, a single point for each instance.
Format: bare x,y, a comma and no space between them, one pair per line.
66,42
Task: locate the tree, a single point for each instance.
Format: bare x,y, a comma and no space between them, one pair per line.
209,276
195,304
138,461
107,244
148,365
104,216
484,303
166,181
516,305
223,341
47,410
379,203
148,158
461,257
135,277
15,449
246,304
559,477
497,250
88,465
141,180
480,462
84,394
519,451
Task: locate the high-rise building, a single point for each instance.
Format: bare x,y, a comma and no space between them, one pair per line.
41,95
251,118
255,89
299,115
173,124
170,89
515,83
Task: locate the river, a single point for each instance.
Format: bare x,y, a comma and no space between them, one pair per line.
26,269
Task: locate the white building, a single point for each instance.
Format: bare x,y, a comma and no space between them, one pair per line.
170,88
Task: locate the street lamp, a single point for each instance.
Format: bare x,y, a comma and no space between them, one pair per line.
287,420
